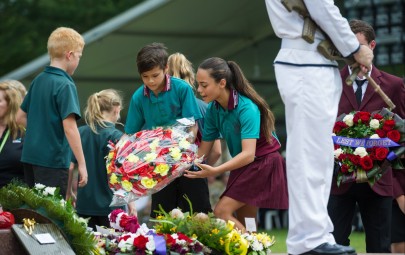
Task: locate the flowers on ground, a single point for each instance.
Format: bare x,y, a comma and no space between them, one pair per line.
48,202
147,161
366,143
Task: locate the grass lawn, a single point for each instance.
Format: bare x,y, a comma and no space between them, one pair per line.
357,241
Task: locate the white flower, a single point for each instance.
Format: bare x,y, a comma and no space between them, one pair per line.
201,217
49,191
39,186
154,144
150,245
360,151
184,144
150,157
62,202
374,124
348,119
333,134
337,152
177,214
375,136
257,246
221,222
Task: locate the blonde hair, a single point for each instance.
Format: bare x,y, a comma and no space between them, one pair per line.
62,40
181,67
18,86
97,103
14,100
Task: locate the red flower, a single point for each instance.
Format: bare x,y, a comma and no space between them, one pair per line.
381,133
381,153
344,168
363,116
339,125
394,135
355,159
184,237
378,116
388,125
366,163
140,242
170,241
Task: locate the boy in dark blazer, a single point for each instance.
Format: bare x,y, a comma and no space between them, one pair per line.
375,203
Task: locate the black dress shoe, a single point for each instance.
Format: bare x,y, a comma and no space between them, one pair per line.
330,249
349,250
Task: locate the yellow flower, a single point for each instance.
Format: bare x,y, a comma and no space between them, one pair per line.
175,153
132,158
162,169
173,229
194,237
215,231
221,241
148,182
110,155
230,224
113,179
184,144
126,185
150,157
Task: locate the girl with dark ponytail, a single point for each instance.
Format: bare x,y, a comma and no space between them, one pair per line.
244,119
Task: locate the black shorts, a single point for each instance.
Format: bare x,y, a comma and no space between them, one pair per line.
171,196
50,177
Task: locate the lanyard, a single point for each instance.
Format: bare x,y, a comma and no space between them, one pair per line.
4,140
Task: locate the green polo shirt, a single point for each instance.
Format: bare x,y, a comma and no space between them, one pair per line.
147,111
51,97
95,198
240,121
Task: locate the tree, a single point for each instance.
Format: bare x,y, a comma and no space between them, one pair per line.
26,24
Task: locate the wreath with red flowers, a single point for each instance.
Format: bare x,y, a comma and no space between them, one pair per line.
366,144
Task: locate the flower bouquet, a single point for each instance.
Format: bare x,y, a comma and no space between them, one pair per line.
366,144
146,162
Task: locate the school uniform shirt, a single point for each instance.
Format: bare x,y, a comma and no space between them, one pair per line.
94,198
10,164
241,120
51,97
148,111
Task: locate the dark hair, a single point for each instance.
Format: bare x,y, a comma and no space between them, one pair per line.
151,56
234,77
360,26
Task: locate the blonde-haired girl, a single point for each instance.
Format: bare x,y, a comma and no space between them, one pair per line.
101,114
11,133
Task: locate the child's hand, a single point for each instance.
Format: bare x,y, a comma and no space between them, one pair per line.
132,209
72,196
82,176
205,171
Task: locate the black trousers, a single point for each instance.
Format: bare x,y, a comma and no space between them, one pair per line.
171,196
375,211
51,177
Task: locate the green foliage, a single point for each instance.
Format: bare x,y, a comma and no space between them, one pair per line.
17,195
26,24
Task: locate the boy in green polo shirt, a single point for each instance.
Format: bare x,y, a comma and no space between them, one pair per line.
160,101
49,112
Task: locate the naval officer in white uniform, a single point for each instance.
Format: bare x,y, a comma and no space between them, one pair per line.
310,86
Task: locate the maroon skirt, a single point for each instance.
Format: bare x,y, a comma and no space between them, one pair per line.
262,183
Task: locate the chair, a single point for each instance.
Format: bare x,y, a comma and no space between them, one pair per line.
269,216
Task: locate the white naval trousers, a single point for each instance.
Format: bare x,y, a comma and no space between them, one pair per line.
311,96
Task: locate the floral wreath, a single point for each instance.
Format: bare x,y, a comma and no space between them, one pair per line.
366,144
